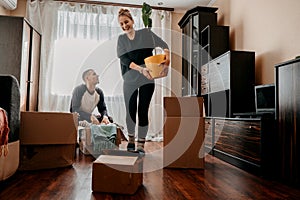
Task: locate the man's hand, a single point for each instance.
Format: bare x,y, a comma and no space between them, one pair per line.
94,120
105,120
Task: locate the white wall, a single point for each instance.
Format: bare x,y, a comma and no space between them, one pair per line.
268,27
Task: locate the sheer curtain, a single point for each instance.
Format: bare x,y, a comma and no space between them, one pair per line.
80,36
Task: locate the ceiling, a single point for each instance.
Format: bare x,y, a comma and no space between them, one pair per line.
178,5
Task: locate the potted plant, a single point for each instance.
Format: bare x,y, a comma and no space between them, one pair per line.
153,63
146,15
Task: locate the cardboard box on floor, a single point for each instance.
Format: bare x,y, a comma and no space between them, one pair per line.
47,140
183,139
183,132
117,171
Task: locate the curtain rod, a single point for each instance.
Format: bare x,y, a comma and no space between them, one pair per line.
115,4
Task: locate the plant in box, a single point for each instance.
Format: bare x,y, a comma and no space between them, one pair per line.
153,63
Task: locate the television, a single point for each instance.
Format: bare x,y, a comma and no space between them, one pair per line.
264,98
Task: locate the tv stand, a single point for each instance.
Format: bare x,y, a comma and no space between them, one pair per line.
248,143
253,114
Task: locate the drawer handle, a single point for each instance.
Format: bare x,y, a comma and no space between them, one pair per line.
218,63
254,128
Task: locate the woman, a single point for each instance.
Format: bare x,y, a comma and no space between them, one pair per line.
133,47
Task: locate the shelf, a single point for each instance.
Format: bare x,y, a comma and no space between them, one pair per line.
192,23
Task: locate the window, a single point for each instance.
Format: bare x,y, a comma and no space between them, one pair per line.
86,40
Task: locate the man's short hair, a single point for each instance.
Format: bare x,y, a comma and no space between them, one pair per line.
86,73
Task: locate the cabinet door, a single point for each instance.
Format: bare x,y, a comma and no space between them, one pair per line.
219,104
219,71
186,45
195,48
24,66
239,138
288,99
34,72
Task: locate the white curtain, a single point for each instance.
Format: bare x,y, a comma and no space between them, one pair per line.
80,36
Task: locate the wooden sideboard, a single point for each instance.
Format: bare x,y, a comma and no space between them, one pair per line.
247,143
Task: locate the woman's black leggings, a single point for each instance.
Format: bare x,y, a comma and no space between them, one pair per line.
137,100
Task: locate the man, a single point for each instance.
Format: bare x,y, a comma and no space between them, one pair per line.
86,97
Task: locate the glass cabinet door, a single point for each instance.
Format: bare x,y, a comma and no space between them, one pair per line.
191,55
186,49
24,66
195,47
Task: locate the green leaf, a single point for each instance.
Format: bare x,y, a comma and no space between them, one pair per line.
146,8
146,13
145,20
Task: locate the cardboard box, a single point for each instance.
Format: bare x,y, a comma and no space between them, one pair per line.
183,106
183,132
117,172
85,141
183,142
48,140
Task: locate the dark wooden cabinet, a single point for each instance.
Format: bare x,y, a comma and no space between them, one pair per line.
227,84
240,139
192,23
224,78
214,42
248,143
20,57
288,119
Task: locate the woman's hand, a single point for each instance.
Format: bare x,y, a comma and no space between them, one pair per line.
165,70
167,61
146,73
165,64
141,70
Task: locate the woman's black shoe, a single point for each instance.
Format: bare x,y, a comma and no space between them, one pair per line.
131,147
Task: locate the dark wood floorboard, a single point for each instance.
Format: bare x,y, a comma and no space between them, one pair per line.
219,180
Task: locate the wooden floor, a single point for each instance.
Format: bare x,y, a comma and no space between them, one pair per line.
218,180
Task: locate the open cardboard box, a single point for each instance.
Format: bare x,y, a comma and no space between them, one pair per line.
117,171
47,140
85,141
